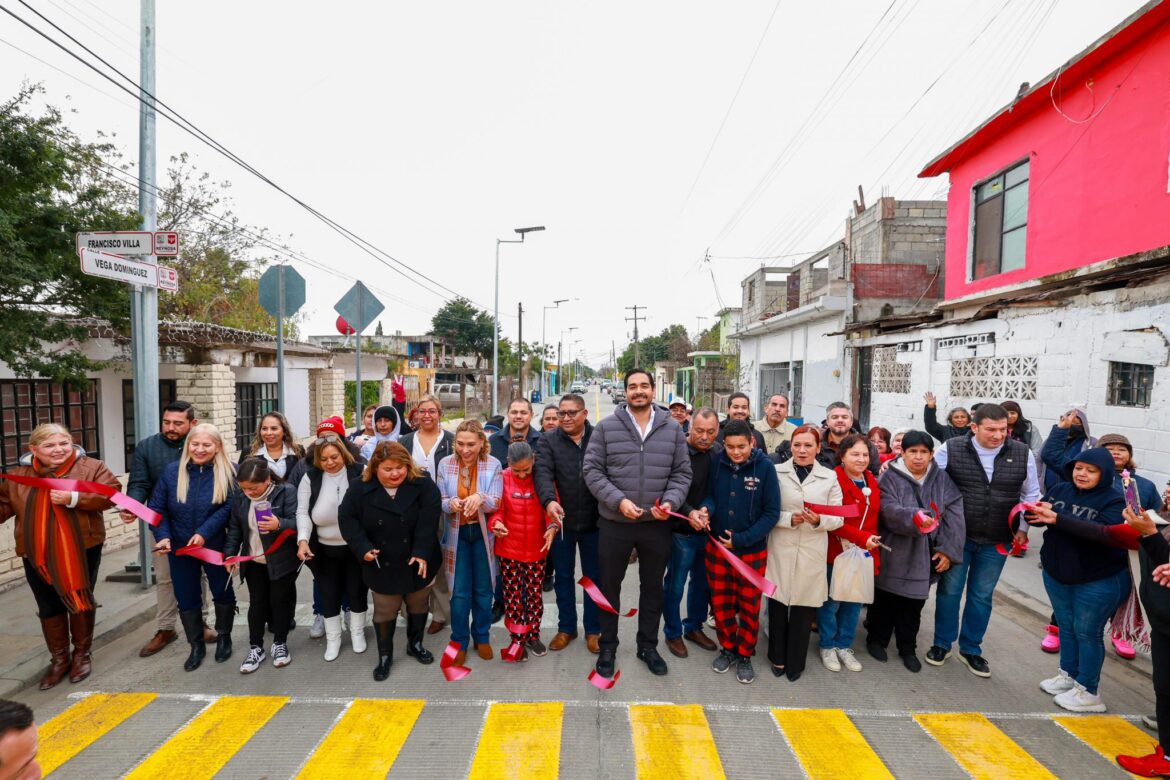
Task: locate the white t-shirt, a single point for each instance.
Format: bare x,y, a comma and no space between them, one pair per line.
324,512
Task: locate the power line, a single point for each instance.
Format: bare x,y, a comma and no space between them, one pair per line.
636,319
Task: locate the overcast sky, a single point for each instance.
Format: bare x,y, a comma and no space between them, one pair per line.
432,129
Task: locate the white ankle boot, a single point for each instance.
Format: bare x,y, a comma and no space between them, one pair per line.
357,631
333,632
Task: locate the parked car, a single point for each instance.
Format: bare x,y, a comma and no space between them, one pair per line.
619,394
577,387
448,393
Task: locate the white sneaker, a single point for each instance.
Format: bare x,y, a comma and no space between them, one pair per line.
253,661
333,634
1058,684
357,631
829,659
280,655
849,659
1077,699
317,630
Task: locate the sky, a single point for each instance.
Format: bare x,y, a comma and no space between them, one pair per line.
668,147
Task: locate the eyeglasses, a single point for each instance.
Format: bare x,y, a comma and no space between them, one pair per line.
328,438
569,412
426,412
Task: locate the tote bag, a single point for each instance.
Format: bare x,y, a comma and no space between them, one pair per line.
852,577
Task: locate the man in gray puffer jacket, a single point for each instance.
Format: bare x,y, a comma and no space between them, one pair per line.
638,468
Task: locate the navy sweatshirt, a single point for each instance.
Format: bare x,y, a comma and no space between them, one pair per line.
744,499
1073,551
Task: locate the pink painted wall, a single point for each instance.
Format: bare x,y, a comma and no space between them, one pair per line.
1098,190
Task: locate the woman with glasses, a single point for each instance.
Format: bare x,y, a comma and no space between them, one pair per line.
471,485
261,509
275,443
336,572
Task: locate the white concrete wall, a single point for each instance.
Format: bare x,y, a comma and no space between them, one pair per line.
810,343
296,394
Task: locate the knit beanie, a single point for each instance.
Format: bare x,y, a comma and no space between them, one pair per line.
385,413
331,425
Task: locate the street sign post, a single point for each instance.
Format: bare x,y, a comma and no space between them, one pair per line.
282,292
129,243
118,268
166,243
168,279
359,308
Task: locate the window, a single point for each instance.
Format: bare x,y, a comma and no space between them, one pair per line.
253,401
166,394
786,378
26,403
751,292
992,377
1130,384
1001,221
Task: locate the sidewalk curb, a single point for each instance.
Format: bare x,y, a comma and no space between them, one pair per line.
28,670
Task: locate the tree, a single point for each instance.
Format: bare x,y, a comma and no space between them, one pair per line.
466,328
51,186
672,344
378,329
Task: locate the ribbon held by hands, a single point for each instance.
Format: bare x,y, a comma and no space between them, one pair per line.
1017,547
451,670
744,570
119,499
927,521
215,557
847,510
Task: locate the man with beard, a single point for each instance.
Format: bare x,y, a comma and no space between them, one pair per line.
838,425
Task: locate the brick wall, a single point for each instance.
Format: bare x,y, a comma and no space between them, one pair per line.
212,390
326,394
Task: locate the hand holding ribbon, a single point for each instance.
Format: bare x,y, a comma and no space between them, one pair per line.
119,499
215,557
747,572
1018,545
927,521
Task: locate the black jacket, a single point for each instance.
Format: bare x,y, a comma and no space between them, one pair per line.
445,447
284,505
558,475
938,431
700,472
151,456
757,437
500,441
400,528
827,456
302,466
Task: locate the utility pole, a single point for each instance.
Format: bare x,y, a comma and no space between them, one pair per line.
520,344
635,319
144,300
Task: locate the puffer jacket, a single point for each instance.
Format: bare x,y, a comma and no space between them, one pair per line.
744,499
283,560
197,515
619,464
857,530
559,474
523,516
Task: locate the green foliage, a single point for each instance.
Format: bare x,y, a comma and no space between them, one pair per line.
371,390
672,343
467,329
52,186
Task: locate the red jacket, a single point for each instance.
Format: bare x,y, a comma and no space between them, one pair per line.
857,529
522,514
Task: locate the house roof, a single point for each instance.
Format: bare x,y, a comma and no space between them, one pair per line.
205,334
1133,28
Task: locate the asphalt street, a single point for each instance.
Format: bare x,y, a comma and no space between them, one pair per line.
149,718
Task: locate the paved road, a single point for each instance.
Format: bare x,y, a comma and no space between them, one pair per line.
149,718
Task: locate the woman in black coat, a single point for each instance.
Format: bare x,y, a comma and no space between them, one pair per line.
391,522
272,578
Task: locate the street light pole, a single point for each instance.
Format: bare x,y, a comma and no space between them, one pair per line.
496,318
544,349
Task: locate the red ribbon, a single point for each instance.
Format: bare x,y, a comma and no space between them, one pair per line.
744,570
1017,546
120,499
215,557
512,652
601,601
927,522
451,670
604,683
847,511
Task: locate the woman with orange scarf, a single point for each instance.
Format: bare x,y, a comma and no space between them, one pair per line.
59,535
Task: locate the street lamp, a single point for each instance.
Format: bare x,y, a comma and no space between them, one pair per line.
496,319
544,347
560,365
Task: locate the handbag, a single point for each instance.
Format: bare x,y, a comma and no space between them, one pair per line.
852,580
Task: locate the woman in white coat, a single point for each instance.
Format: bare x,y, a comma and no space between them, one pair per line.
797,549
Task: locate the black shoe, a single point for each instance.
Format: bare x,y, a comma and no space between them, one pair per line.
723,661
605,663
225,615
547,585
976,664
744,671
912,663
777,671
415,627
877,652
497,612
653,661
794,676
384,634
192,620
936,655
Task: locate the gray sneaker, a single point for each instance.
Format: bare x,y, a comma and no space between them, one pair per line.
722,662
744,671
253,661
280,655
317,630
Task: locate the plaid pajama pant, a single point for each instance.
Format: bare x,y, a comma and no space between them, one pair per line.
523,599
735,602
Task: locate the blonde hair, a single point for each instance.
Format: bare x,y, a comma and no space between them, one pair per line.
474,426
221,466
45,430
430,399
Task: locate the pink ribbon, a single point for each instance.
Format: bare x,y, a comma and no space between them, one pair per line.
512,652
215,557
927,521
601,601
847,511
119,499
451,670
1017,546
604,683
744,570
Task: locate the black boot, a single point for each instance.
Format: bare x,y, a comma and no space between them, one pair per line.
415,624
384,632
192,620
225,615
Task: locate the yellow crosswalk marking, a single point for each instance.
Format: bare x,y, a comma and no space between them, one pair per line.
674,741
202,747
520,740
828,745
84,723
1109,735
365,741
980,748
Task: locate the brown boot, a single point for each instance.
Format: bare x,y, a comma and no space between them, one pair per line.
484,650
209,633
593,642
436,626
161,639
81,626
56,631
460,658
561,641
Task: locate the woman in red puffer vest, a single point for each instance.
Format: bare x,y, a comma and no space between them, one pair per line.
524,534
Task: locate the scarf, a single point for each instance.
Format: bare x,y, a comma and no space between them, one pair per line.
53,542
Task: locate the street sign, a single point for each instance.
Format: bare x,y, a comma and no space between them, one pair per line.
119,268
168,278
126,243
359,307
269,289
166,244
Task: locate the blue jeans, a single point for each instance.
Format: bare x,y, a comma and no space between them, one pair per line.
188,588
1082,611
978,573
472,591
564,557
686,558
837,621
